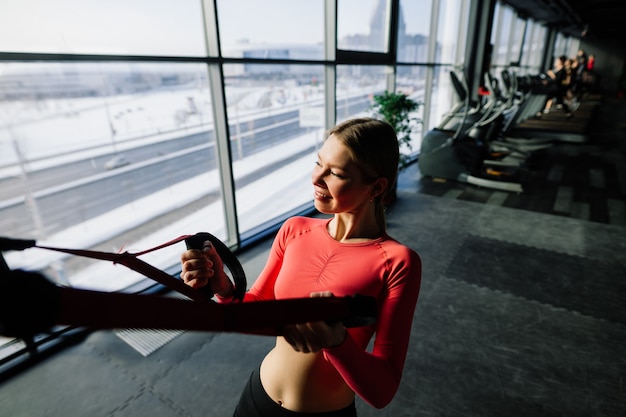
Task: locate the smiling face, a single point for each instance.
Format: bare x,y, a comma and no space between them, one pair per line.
339,183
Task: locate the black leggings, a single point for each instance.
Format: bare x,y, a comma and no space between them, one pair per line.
255,402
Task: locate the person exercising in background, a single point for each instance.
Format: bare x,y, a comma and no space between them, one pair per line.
559,84
579,69
316,368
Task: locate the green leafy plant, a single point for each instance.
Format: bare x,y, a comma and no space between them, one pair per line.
395,109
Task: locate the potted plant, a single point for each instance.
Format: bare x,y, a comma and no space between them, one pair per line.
395,109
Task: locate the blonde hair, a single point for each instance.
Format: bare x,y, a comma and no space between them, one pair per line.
373,146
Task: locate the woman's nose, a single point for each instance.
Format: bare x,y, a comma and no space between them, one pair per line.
317,176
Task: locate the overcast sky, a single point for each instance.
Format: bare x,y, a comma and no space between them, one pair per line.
172,26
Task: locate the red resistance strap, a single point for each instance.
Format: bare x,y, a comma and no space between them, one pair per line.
131,261
196,241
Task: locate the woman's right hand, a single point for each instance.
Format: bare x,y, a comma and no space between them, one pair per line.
205,267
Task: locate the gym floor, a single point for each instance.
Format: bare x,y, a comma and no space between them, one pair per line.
521,311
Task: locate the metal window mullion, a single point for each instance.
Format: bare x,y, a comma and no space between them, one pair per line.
391,39
211,33
548,50
330,33
330,95
220,125
393,26
221,136
481,16
430,70
330,70
390,78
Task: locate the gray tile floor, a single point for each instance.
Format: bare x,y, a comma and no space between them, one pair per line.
520,314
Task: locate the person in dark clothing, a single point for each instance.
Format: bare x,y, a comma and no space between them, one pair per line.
579,70
558,85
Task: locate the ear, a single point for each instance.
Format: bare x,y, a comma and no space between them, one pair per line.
379,186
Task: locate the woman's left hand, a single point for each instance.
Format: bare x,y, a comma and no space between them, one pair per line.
316,335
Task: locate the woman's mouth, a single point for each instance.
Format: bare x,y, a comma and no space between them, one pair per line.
321,196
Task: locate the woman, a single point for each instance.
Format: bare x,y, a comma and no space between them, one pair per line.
316,368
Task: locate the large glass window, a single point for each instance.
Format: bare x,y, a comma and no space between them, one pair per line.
278,29
561,45
410,80
356,87
124,27
515,41
116,154
533,48
105,155
413,30
501,34
276,123
451,18
573,47
363,25
443,96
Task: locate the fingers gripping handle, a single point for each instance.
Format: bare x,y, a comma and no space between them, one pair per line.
228,258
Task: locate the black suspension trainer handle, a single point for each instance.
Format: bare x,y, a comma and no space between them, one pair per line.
228,258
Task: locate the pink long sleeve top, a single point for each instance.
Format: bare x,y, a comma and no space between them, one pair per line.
304,258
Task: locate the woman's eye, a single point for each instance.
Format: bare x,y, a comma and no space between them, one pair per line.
331,172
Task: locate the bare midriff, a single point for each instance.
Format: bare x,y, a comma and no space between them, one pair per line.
303,382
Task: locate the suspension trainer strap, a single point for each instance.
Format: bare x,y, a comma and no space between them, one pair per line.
132,261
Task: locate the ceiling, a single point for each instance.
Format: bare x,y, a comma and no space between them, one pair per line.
601,21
